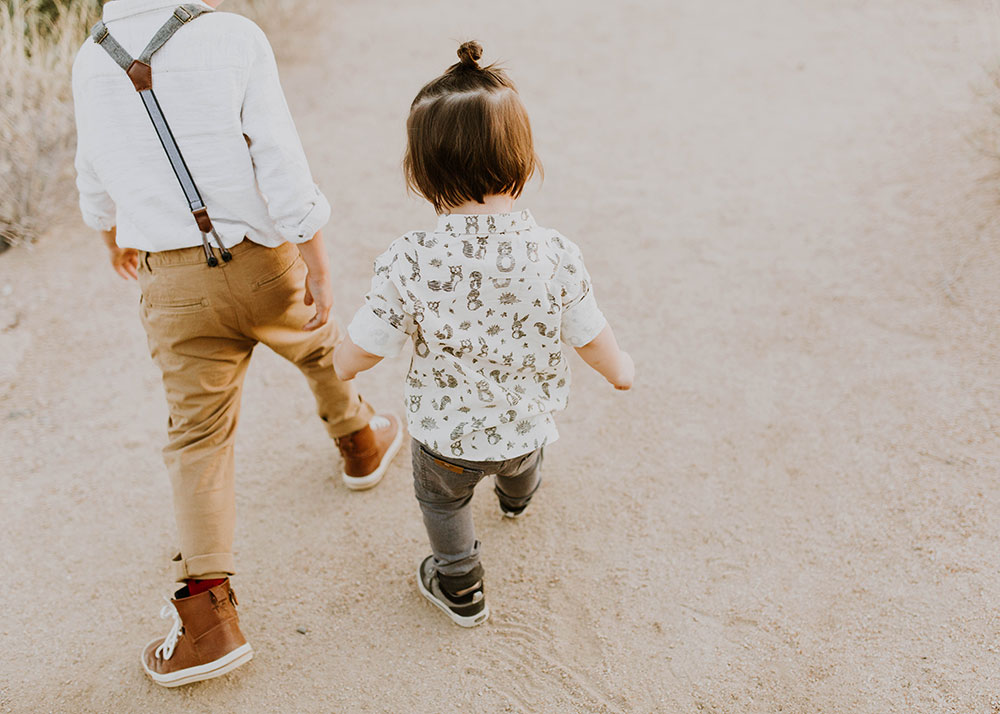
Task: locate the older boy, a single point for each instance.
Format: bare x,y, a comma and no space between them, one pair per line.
217,84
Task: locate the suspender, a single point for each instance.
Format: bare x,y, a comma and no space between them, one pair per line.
141,74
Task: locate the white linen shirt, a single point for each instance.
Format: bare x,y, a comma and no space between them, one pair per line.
217,82
486,301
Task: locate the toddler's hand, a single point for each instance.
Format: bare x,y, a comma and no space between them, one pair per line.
626,372
344,374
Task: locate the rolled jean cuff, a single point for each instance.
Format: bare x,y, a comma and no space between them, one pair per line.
456,566
202,567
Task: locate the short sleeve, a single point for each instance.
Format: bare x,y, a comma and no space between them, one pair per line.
582,319
382,326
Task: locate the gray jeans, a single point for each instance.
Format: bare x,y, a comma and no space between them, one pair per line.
444,488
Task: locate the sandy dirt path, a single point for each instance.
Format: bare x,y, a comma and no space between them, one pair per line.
794,511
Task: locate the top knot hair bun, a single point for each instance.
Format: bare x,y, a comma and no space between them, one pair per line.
469,54
468,135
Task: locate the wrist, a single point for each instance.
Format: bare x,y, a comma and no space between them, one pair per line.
110,239
318,271
314,255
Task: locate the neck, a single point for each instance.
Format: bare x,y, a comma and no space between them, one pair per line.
496,203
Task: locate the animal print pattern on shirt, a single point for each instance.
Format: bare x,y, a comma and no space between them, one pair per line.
487,301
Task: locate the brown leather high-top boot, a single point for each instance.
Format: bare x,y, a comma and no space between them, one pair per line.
205,641
369,451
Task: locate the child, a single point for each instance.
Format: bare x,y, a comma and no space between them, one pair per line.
486,299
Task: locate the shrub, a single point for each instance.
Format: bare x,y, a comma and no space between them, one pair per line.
38,41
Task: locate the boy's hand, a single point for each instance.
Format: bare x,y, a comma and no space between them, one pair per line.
626,372
125,261
319,291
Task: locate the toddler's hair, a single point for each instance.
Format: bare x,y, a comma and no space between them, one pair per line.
468,135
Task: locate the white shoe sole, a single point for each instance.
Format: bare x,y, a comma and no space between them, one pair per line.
225,664
363,483
459,620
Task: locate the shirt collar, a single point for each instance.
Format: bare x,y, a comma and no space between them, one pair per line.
118,9
486,223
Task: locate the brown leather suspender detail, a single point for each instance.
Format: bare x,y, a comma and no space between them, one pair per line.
141,75
204,222
140,72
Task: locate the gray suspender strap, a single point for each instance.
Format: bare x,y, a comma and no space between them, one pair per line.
141,74
183,14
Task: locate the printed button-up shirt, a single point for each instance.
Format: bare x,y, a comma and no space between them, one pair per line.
487,301
217,82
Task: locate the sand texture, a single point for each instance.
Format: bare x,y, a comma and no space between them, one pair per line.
795,510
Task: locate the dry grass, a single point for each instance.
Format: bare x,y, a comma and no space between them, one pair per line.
36,112
38,41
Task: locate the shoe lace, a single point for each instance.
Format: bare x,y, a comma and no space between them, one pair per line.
166,648
379,422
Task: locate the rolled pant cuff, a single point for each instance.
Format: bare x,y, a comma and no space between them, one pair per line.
213,565
352,424
457,567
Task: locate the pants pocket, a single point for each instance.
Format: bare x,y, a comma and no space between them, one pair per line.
442,477
275,277
174,305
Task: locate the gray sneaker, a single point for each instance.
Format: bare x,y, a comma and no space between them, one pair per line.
466,607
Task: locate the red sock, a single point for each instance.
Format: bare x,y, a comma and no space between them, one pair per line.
200,586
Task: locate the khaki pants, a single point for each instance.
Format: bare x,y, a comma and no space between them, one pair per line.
202,324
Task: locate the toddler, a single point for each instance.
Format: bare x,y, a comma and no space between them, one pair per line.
487,298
